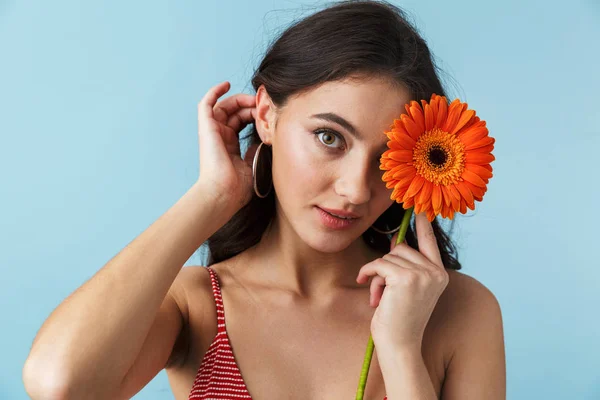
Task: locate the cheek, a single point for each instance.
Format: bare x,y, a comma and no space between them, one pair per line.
298,171
381,198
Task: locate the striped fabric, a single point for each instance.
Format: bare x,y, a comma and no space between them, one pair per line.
219,377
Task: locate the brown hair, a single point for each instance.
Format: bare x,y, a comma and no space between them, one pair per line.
346,39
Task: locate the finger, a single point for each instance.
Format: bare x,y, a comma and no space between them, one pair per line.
240,119
376,290
393,242
231,141
404,260
427,240
412,260
229,106
250,152
384,268
205,107
404,250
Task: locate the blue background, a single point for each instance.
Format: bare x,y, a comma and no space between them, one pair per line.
98,130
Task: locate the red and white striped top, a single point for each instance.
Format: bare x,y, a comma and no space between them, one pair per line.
219,376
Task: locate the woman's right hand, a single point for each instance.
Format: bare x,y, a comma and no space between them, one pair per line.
222,170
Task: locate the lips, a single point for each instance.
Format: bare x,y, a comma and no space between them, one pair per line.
340,213
331,221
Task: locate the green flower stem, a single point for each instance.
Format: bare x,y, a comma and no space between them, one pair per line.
371,345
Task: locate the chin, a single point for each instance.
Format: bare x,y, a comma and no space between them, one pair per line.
327,242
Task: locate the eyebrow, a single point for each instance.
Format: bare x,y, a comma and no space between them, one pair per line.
338,119
333,117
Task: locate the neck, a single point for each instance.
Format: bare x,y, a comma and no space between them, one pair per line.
283,260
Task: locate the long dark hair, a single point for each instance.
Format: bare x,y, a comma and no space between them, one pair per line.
348,38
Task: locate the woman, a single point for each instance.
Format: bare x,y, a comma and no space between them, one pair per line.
301,266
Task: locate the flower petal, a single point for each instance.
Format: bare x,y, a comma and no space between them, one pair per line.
400,167
429,118
479,158
396,194
433,104
473,134
465,193
480,143
417,115
388,164
430,215
403,170
408,203
424,195
456,201
394,145
415,186
484,149
418,206
446,211
423,207
436,199
406,180
447,195
470,123
472,177
483,173
464,118
442,113
477,191
454,191
454,110
404,141
463,206
399,189
411,127
401,155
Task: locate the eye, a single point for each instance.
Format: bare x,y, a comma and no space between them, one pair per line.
329,137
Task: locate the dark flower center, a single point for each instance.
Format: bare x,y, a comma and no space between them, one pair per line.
437,156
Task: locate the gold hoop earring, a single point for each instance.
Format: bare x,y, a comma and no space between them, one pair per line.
254,167
386,232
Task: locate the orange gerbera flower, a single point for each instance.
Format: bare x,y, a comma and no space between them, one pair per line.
439,158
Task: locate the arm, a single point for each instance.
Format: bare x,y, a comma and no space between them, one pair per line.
91,340
476,369
405,374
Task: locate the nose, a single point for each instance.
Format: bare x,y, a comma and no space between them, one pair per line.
354,182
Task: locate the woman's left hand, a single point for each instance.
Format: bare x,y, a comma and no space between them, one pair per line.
405,288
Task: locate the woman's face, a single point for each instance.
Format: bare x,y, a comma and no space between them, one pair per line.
327,144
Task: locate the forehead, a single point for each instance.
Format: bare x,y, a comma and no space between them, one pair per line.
371,105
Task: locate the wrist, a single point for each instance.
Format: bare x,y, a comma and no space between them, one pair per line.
214,197
394,358
221,208
405,373
389,346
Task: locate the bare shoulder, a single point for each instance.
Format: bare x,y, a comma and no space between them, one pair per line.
194,276
467,303
192,291
192,284
467,294
473,318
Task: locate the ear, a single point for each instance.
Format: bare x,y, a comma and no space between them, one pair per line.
266,115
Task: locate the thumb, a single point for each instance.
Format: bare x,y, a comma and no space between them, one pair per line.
393,243
250,152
